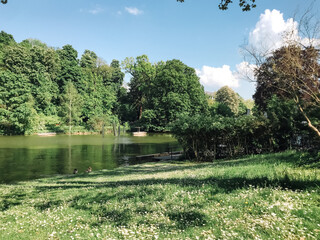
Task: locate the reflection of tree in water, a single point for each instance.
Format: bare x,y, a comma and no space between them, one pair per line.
61,157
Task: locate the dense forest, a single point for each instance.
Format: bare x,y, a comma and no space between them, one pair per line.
50,89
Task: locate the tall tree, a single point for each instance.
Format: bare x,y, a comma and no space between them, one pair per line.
292,72
71,105
43,76
70,70
143,73
17,114
117,75
176,89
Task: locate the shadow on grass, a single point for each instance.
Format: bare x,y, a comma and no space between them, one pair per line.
290,158
95,205
10,200
225,185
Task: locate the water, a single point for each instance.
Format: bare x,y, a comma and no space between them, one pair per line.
29,157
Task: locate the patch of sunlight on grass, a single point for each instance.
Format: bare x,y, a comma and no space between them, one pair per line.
257,197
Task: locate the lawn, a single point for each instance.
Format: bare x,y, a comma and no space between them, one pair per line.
258,197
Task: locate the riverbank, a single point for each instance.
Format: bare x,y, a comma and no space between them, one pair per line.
261,197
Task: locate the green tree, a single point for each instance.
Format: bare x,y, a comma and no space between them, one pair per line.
117,75
70,70
43,77
6,38
17,114
117,78
89,59
143,73
176,89
71,105
229,99
31,42
284,120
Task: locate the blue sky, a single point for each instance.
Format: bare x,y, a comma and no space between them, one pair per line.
195,32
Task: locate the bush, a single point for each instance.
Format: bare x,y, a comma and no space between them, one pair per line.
205,138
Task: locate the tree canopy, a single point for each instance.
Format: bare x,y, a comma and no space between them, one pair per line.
291,73
162,91
42,88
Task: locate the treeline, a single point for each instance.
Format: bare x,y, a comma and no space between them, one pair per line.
49,89
286,113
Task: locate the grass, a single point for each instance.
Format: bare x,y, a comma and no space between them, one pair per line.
259,197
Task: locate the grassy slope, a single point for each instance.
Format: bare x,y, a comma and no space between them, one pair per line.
262,197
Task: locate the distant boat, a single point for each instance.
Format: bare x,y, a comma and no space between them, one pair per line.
49,134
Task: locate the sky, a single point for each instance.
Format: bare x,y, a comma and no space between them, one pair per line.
195,32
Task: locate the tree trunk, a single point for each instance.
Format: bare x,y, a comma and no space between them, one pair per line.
140,113
70,116
310,125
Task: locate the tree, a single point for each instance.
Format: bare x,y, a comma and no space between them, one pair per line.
43,75
6,39
176,89
246,5
291,73
117,75
17,114
88,59
143,73
71,105
229,98
70,70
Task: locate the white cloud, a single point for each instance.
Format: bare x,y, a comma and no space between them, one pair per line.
271,31
211,77
245,71
133,10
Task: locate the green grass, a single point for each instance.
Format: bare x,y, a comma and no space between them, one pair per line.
259,197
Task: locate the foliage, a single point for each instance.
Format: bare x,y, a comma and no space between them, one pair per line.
162,91
228,98
71,105
17,113
143,73
35,78
70,70
209,137
291,73
285,122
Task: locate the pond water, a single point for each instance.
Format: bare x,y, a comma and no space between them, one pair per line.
29,157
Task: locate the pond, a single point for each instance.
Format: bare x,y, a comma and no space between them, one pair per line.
29,157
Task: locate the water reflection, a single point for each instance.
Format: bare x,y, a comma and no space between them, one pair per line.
29,157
